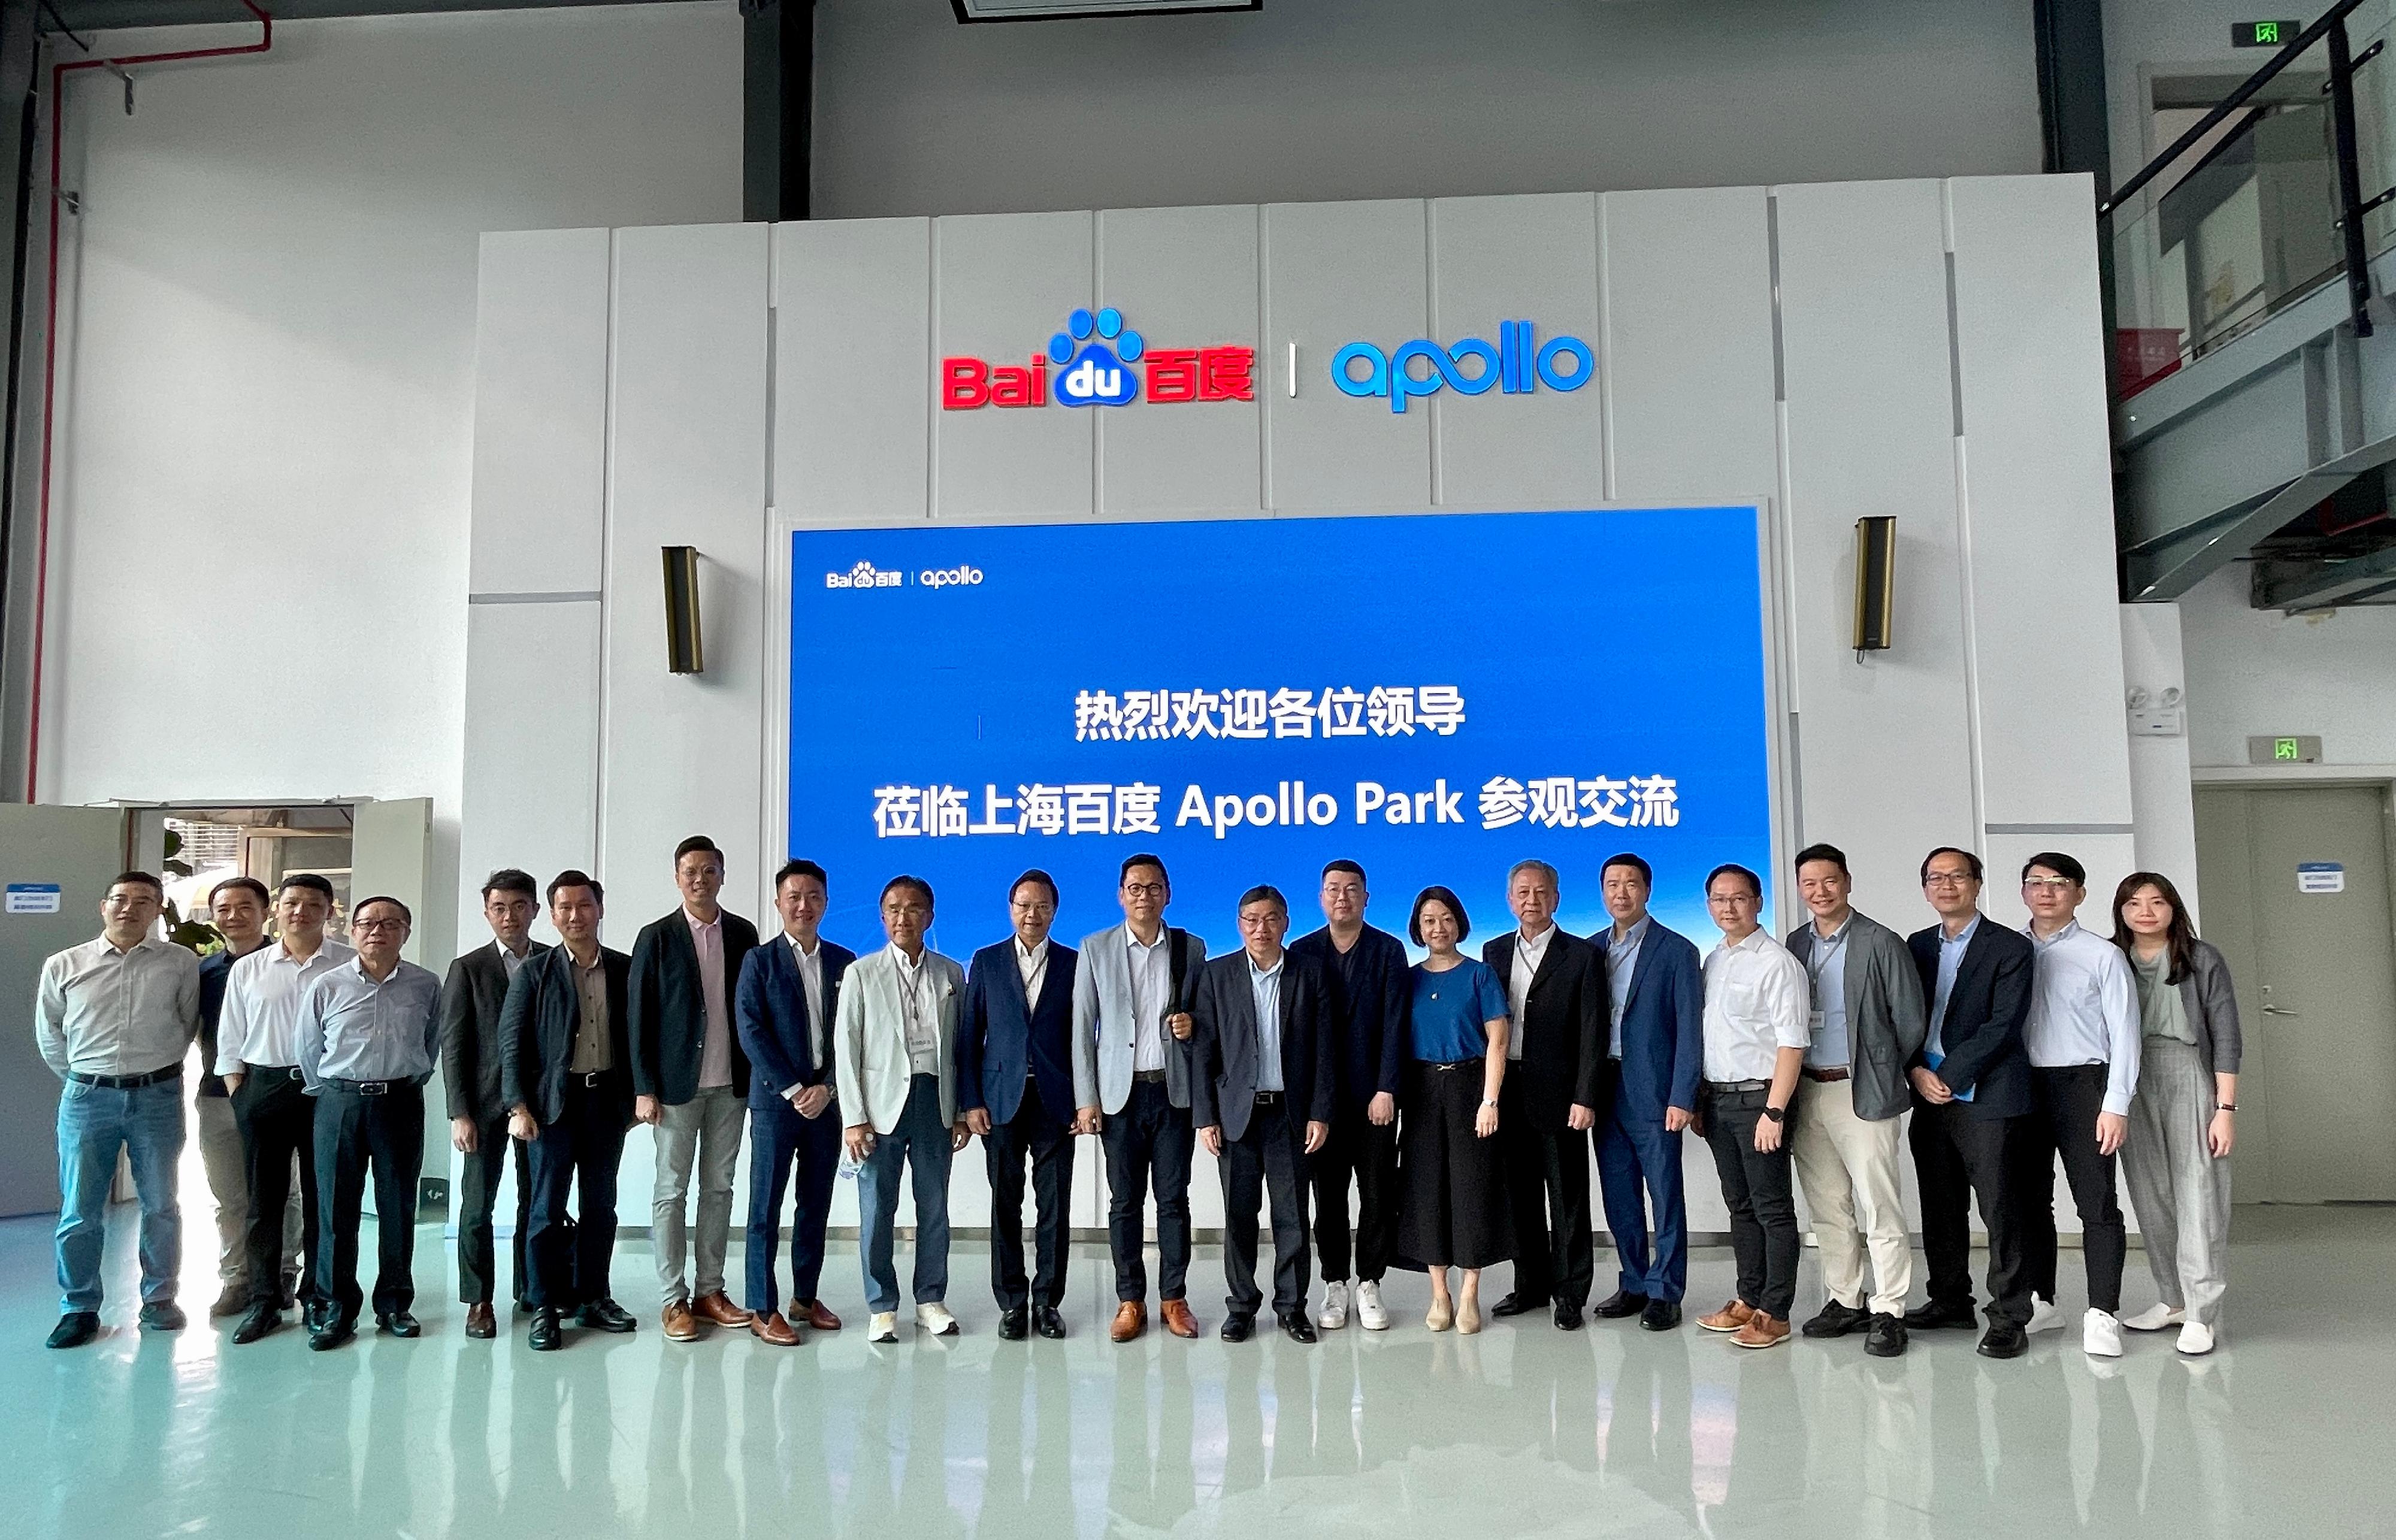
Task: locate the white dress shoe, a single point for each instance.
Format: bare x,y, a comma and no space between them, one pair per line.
2196,1339
2100,1335
1334,1313
1370,1313
2043,1316
883,1327
935,1319
2154,1318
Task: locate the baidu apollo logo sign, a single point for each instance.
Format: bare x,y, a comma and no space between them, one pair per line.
1099,360
1518,363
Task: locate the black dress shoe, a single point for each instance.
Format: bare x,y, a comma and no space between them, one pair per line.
2004,1340
1661,1315
1239,1328
331,1331
163,1315
1888,1337
74,1329
1049,1323
1836,1321
1941,1313
548,1336
399,1324
1013,1325
262,1321
1568,1316
1619,1305
606,1315
1297,1328
1517,1304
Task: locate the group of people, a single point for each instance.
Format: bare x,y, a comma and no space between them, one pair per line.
1458,1099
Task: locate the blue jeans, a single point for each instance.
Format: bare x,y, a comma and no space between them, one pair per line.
922,1141
94,1122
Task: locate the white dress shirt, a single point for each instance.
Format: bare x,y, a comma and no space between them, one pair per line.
1151,984
1264,986
1032,963
922,1018
260,1023
810,965
1528,953
354,1027
1755,1006
99,1011
510,961
2083,1009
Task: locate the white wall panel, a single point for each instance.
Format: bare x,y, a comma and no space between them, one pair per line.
1004,287
532,749
1183,278
853,383
2161,795
540,412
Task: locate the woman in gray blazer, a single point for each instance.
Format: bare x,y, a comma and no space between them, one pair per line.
2182,1122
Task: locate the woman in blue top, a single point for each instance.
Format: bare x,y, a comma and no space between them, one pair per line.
1452,1196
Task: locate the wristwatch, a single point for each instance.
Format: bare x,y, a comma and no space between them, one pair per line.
1492,1101
1776,1113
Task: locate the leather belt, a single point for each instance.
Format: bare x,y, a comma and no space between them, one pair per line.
1148,1077
1824,1077
368,1088
590,1078
1268,1098
1733,1088
127,1083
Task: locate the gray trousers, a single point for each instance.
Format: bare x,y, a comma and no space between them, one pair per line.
703,1133
2181,1193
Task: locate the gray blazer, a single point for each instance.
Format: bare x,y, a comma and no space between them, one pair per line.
2212,1008
1103,1025
1886,1023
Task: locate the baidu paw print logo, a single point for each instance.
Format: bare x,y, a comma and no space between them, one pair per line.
1097,347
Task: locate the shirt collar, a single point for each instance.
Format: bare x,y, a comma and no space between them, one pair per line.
800,948
1535,943
898,955
698,925
501,948
2070,928
1836,936
1030,954
1132,938
1961,937
1753,942
1257,974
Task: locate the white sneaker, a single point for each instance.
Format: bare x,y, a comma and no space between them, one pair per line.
2196,1339
883,1327
2154,1318
2100,1335
1334,1313
934,1318
1370,1313
2043,1316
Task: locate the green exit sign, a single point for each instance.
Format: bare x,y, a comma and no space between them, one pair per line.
2263,35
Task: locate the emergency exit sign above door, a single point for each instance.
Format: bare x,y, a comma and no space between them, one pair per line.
2299,749
2264,34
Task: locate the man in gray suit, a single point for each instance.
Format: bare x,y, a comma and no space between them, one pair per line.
1868,1024
1131,1085
471,999
894,1046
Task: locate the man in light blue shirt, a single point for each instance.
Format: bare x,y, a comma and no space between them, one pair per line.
1621,959
1264,984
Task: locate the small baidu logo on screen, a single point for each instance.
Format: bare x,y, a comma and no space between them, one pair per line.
864,574
1091,351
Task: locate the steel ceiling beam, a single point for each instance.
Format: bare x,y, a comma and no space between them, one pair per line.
2293,586
88,15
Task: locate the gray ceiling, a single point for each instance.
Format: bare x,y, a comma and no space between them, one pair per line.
101,14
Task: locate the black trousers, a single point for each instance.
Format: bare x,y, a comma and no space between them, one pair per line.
478,1193
1547,1182
358,1137
1959,1155
569,1262
2064,1104
1368,1151
277,1120
1757,1190
1268,1160
1151,1139
1035,1134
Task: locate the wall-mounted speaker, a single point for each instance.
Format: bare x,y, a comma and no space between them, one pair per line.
1875,584
682,651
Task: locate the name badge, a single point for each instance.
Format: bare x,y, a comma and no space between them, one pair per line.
1813,1023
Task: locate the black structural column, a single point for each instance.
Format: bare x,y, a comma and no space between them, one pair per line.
778,107
20,54
2073,119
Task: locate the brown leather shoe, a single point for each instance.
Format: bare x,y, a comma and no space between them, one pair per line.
480,1321
814,1317
680,1324
720,1309
1178,1319
1761,1331
1730,1318
775,1332
1131,1319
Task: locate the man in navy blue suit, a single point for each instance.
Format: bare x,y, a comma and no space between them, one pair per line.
1015,1090
784,1005
1657,1049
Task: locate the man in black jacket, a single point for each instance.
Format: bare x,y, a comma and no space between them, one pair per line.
471,999
1971,1090
1262,1061
690,1082
565,1072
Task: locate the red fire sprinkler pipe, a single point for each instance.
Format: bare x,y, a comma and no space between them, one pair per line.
59,73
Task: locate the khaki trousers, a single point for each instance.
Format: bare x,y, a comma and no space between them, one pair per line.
1848,1171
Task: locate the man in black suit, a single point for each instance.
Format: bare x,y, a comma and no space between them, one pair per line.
690,1082
565,1072
1971,1089
1014,1089
1554,1089
471,999
1262,1059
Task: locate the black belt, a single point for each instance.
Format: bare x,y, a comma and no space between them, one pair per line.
1148,1077
369,1088
589,1079
1268,1098
1453,1063
1733,1088
127,1082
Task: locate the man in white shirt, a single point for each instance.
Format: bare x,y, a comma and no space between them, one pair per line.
2082,1042
115,1019
895,1049
1755,1040
257,1054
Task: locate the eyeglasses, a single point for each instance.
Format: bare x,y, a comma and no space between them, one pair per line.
1143,890
1947,879
361,926
2046,884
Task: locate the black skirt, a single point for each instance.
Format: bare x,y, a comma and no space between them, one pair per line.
1452,1207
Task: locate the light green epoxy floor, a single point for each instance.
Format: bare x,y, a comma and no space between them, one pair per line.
1521,1431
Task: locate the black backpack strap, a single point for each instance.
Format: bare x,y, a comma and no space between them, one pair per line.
1176,967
